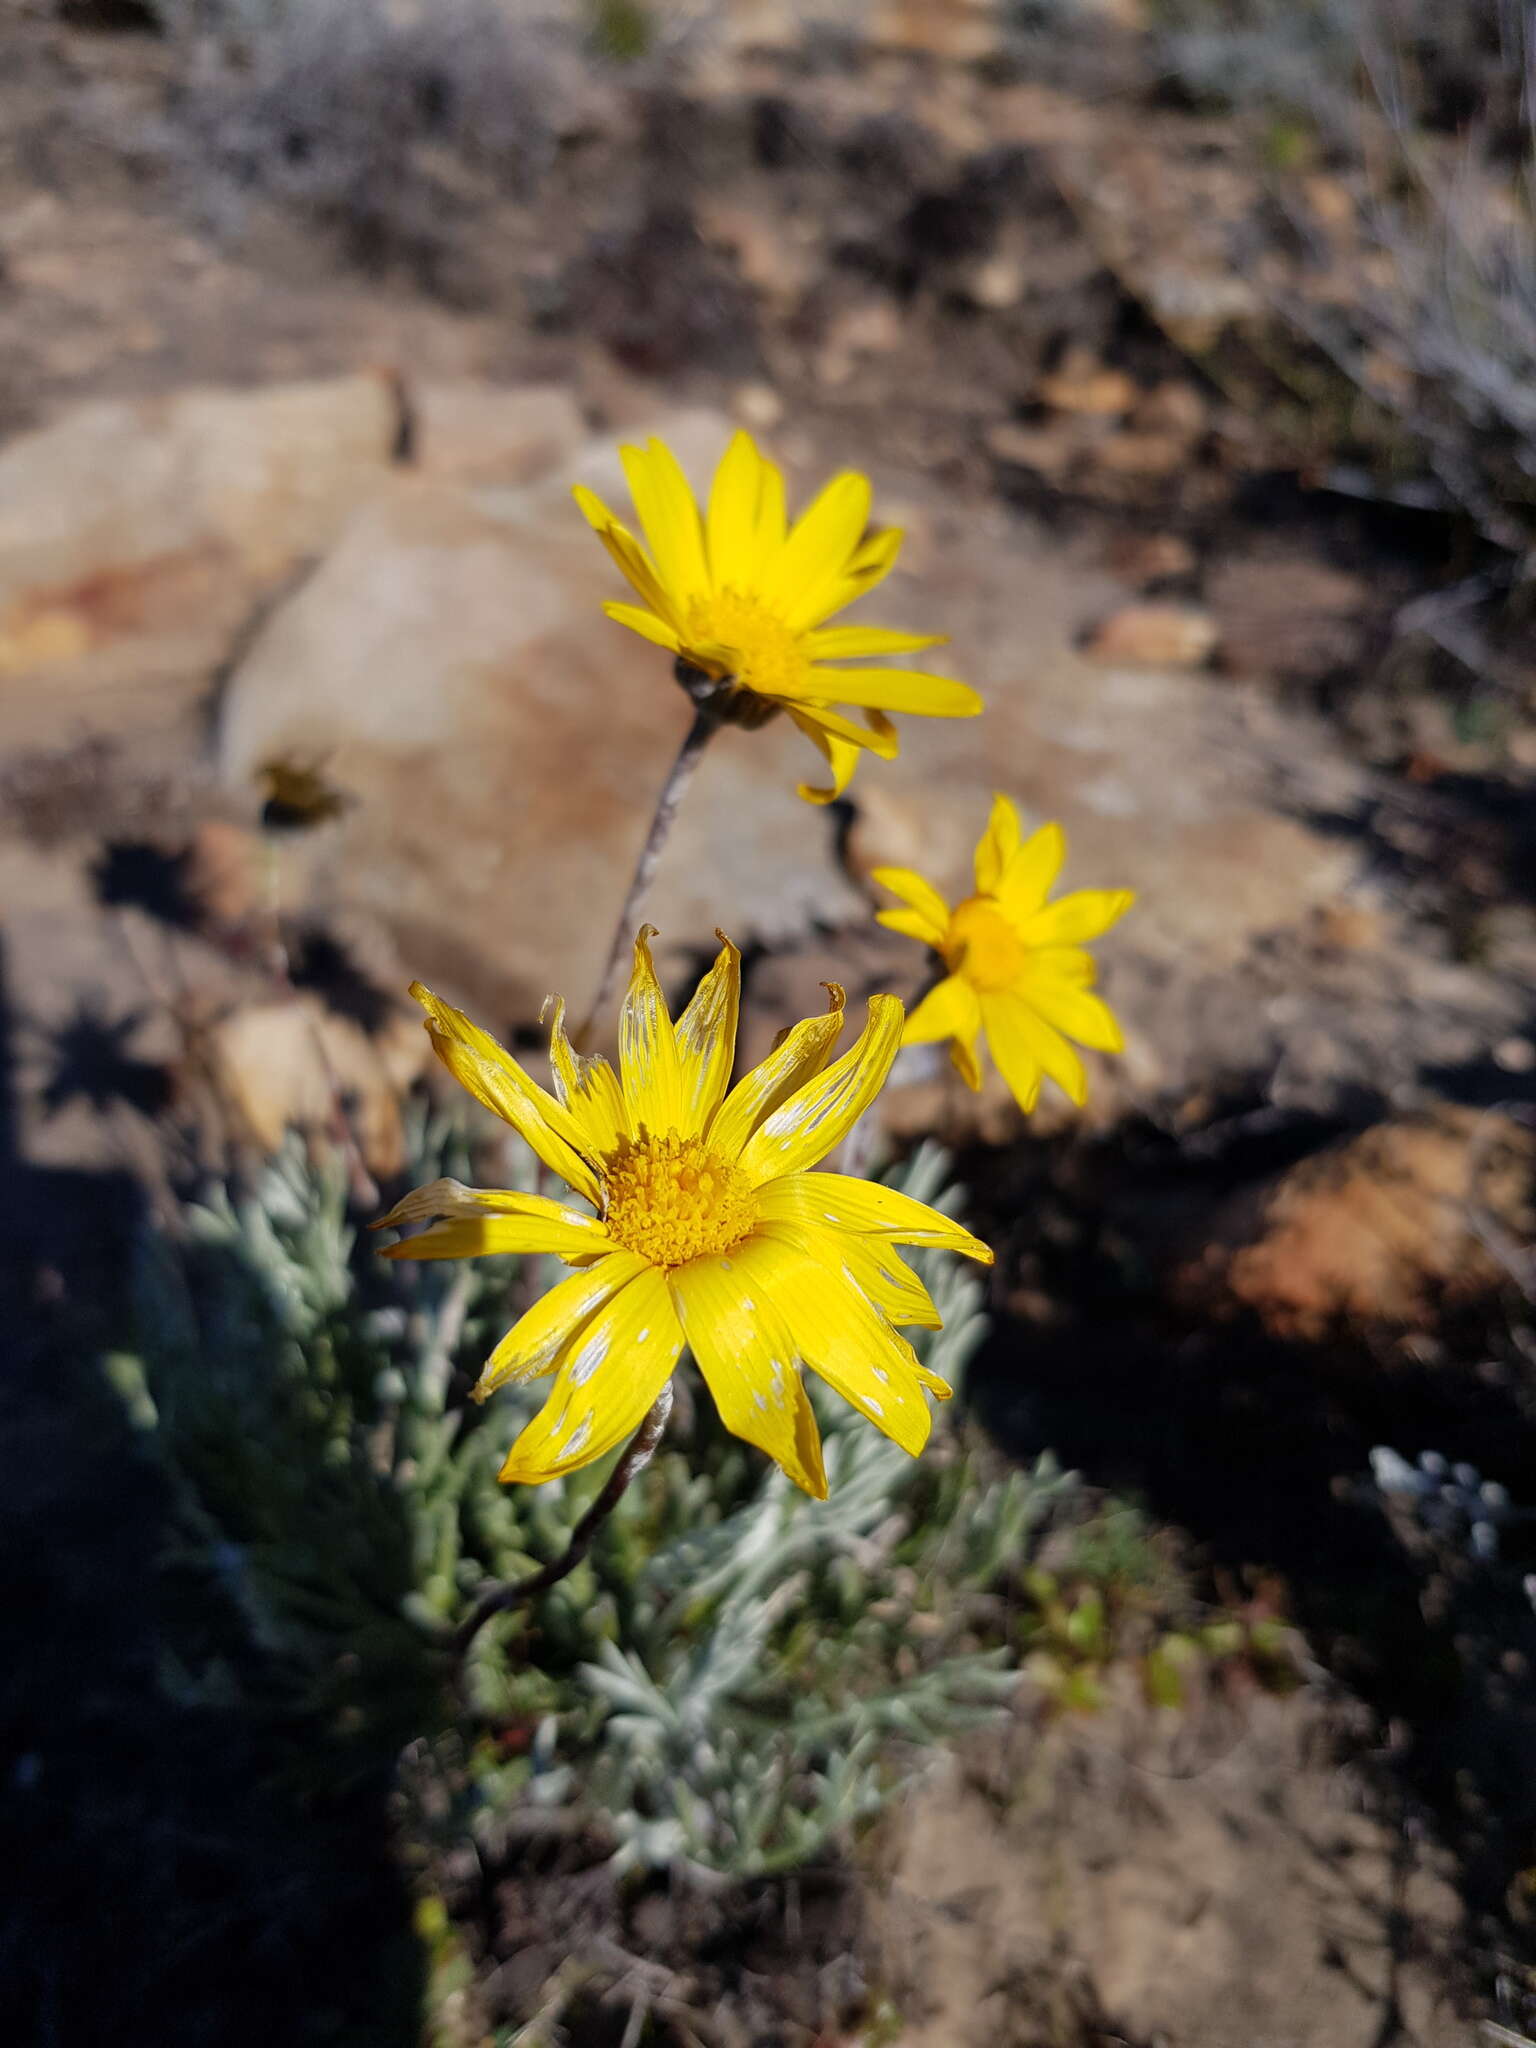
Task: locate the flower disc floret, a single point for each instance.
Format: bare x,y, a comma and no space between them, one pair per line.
982,941
745,641
671,1200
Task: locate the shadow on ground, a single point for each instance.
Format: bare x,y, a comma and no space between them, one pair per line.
159,1888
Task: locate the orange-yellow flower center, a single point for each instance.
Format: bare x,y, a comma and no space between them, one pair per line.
983,946
733,634
670,1200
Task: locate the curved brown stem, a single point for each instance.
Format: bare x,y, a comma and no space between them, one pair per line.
642,1448
704,723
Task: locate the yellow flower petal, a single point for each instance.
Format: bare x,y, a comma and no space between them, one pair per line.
876,736
949,1010
530,1224
844,1203
495,1079
646,624
706,1040
731,527
850,643
747,1356
910,923
841,757
807,1126
608,1379
962,1057
588,1087
889,689
997,846
871,564
669,517
1023,1044
839,1334
1086,914
802,1053
814,559
634,564
449,1198
772,513
1072,964
534,1343
877,1269
1085,1017
920,897
1029,874
648,1058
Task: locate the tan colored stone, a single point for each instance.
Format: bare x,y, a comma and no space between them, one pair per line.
1155,636
1151,557
999,282
960,31
135,537
1047,450
1100,393
502,744
491,433
293,1065
757,406
1141,454
1172,407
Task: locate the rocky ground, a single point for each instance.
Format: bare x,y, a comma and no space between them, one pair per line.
274,497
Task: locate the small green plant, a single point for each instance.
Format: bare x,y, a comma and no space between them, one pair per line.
730,1679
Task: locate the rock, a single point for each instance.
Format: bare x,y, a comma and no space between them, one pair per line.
1049,451
1141,454
757,406
887,831
294,1065
1152,557
870,327
1350,927
1088,388
491,433
999,282
1287,614
1172,407
502,745
774,261
135,537
1154,636
960,31
1377,1231
225,871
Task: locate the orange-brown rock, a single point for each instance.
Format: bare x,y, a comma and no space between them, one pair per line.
1374,1232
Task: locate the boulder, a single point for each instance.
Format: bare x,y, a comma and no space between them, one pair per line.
501,744
1376,1232
136,536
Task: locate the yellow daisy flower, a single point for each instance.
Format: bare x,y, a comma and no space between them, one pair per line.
1018,968
741,599
705,1228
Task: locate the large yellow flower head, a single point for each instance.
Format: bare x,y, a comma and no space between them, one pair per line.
741,598
1018,966
705,1228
